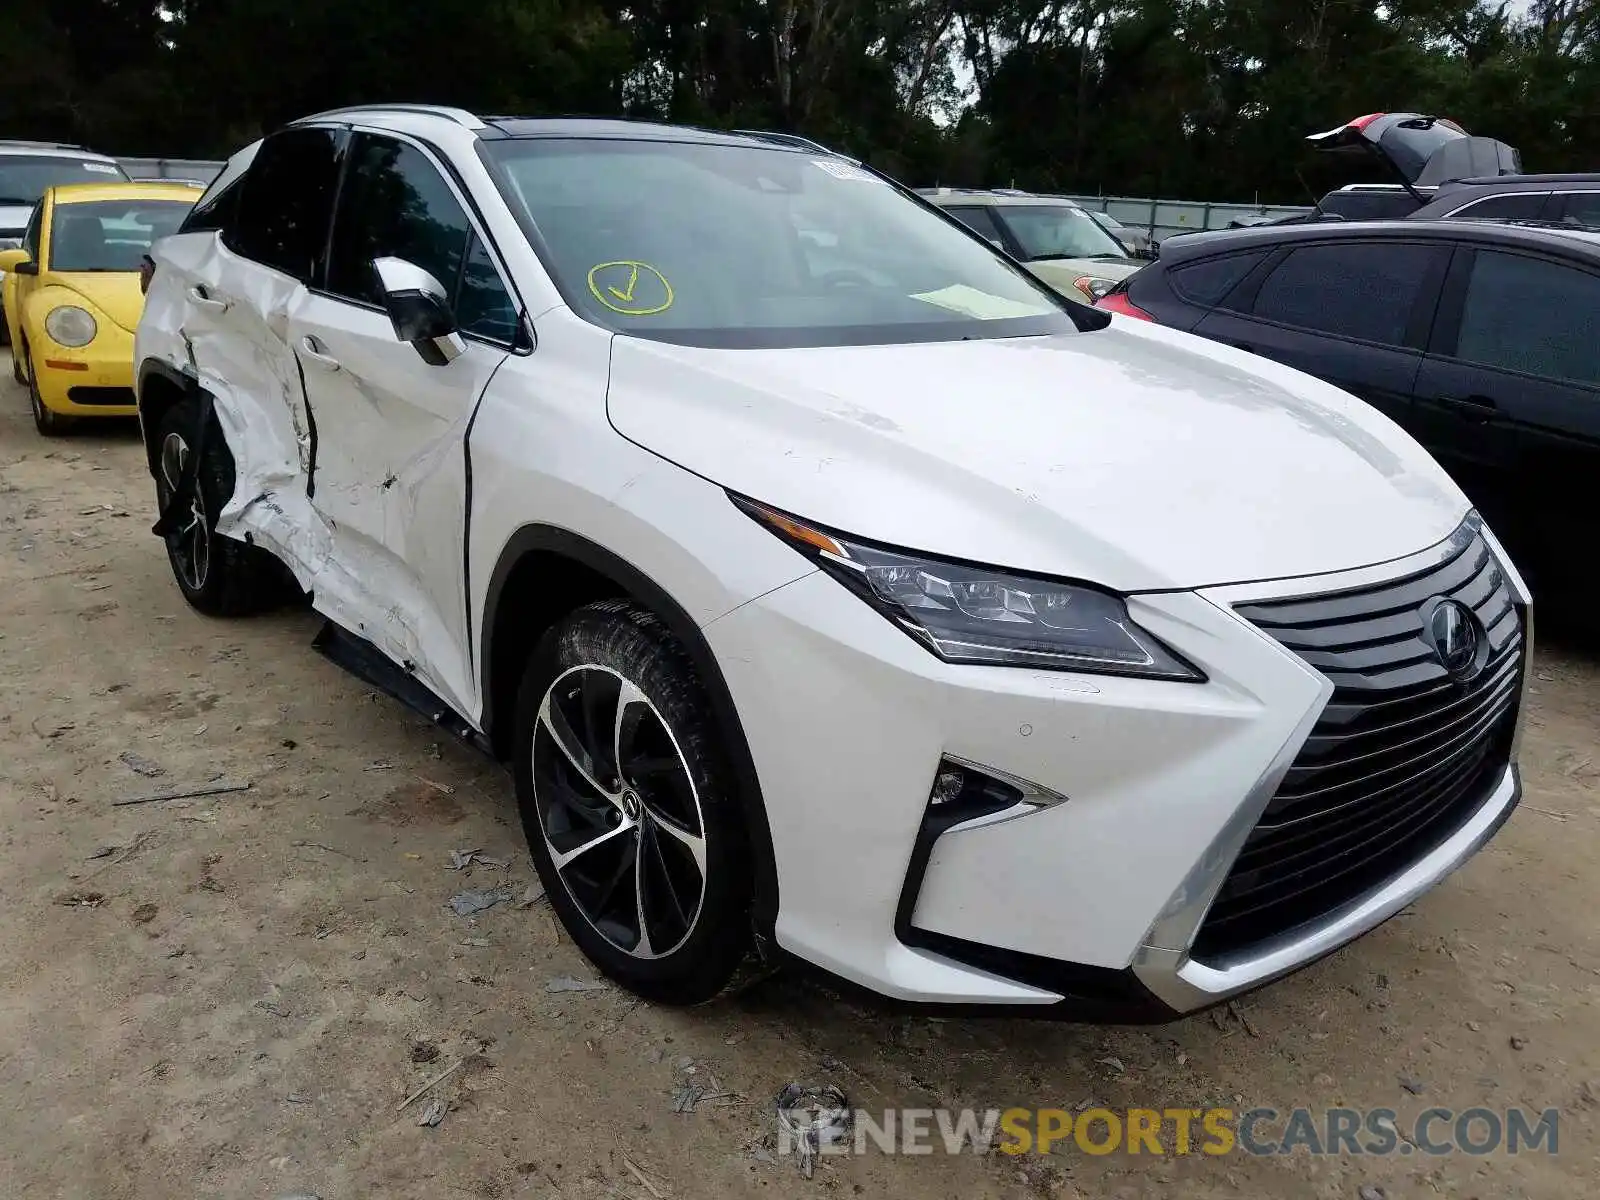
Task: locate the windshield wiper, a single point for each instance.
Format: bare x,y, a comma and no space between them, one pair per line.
1056,257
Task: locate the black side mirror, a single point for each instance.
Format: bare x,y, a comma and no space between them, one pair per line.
419,310
26,267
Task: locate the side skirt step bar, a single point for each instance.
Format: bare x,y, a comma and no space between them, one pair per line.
370,665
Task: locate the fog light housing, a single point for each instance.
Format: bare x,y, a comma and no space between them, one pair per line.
947,785
964,791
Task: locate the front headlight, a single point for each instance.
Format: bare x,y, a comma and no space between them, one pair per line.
1093,286
972,614
70,325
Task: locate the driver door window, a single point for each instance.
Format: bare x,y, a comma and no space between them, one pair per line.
396,204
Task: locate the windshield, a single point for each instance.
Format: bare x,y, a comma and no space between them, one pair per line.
1057,231
24,178
737,246
110,235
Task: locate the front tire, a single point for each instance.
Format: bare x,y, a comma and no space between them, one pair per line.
217,575
48,422
630,806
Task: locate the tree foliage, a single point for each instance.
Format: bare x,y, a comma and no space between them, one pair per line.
1205,99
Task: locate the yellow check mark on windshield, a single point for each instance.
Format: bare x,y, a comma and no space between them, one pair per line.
628,300
626,296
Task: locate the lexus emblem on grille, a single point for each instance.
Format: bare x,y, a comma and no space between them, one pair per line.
1452,631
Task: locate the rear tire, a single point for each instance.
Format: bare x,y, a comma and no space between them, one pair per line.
646,861
45,420
217,575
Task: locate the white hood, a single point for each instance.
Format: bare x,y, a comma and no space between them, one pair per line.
1134,457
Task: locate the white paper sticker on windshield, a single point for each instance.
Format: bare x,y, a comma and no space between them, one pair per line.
842,170
101,168
971,302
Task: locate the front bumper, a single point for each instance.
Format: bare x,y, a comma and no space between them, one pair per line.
1090,906
97,383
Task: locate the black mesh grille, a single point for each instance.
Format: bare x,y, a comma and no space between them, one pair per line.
1399,759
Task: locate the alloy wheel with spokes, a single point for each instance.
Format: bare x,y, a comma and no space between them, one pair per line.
619,811
190,543
218,575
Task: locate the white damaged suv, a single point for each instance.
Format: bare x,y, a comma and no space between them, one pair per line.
832,588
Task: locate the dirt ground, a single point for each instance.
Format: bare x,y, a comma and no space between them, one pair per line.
230,996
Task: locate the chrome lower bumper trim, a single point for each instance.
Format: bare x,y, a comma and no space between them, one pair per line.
1186,984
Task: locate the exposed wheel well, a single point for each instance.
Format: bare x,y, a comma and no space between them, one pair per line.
545,573
159,393
541,587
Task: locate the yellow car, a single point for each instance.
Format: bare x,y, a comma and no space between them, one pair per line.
72,295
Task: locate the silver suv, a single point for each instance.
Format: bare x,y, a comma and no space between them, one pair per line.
1058,240
27,169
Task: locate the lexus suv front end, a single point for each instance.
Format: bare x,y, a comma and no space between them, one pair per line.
1013,790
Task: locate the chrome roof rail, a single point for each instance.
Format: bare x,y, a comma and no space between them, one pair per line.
459,115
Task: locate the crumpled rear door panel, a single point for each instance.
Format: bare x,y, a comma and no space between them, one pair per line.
245,358
244,365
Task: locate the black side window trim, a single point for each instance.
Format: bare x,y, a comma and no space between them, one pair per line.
1418,321
525,341
1452,302
1242,298
342,158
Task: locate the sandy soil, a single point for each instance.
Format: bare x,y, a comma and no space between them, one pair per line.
233,999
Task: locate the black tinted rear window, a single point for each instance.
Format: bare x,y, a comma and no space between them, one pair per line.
1513,206
287,203
1581,208
1209,281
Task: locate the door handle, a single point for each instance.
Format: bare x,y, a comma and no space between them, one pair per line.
1476,400
200,299
314,352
